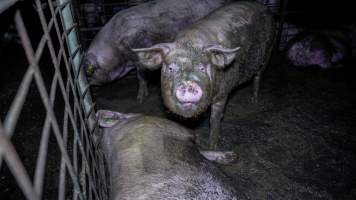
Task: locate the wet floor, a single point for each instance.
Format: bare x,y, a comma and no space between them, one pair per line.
297,142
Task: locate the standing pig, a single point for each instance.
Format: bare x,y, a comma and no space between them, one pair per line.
154,158
109,56
208,59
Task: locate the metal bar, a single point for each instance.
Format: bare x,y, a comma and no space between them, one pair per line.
43,93
71,28
16,106
62,170
82,173
62,187
5,4
59,75
17,103
76,51
80,116
73,44
79,113
15,165
41,160
75,162
41,15
282,10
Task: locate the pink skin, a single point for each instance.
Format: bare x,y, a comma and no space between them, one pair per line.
189,92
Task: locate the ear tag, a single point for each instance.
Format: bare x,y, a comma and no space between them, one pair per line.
90,70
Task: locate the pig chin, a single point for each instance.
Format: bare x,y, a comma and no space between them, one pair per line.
189,110
186,110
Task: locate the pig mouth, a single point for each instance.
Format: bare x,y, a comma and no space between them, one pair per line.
188,105
189,110
186,109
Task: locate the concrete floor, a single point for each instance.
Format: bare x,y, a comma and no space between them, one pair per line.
298,142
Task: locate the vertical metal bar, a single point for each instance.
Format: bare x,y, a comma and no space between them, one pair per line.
75,163
5,4
73,46
282,11
62,172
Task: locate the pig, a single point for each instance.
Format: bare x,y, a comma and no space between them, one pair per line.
109,56
154,158
324,48
211,57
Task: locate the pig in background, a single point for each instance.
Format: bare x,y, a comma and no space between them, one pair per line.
326,48
210,58
156,159
109,56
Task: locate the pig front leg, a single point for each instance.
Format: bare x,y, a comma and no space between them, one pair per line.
256,87
217,113
142,84
257,78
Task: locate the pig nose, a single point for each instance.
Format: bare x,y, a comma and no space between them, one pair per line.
189,92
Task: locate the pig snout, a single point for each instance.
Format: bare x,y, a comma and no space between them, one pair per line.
189,92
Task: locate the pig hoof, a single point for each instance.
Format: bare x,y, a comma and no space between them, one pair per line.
221,157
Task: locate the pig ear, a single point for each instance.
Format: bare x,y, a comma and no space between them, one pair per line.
107,118
221,56
152,57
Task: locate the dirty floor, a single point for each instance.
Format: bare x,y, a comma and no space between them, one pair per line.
297,142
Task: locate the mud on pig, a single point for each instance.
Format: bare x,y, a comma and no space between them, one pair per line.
209,58
109,56
156,159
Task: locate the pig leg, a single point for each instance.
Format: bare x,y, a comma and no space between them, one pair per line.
142,84
217,113
257,78
256,87
221,157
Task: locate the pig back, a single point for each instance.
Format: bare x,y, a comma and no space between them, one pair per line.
248,25
152,22
155,158
253,30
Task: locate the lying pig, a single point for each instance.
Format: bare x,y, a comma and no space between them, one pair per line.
211,57
154,158
109,56
327,48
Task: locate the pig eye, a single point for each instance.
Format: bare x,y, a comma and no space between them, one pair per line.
173,67
201,67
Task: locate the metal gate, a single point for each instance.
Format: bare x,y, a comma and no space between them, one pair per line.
47,121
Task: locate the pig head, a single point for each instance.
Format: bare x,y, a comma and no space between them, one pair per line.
188,73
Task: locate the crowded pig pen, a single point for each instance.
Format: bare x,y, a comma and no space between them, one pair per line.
98,99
